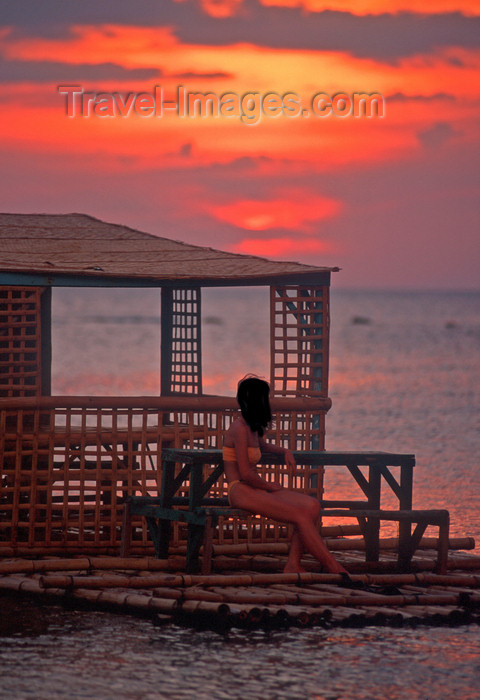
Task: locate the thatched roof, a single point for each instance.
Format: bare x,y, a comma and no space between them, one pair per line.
88,249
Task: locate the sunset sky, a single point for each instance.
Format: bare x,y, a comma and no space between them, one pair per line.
392,199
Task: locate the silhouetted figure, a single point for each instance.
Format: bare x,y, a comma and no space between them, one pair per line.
242,449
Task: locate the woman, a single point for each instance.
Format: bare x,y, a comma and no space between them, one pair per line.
242,449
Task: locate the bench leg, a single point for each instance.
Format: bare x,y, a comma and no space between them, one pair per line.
194,540
371,534
154,530
443,536
405,545
162,544
207,545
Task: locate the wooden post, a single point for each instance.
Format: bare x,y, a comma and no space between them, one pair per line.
443,544
46,341
405,552
166,340
207,545
195,532
167,490
372,525
181,351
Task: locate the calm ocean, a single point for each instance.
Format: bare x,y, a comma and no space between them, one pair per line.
404,376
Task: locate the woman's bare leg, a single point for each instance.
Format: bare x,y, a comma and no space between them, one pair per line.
297,550
291,507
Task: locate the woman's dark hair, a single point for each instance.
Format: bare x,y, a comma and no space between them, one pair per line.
252,397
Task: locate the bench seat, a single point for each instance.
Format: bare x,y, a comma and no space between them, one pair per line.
203,520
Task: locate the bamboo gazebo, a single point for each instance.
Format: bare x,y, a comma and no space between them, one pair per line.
69,462
72,467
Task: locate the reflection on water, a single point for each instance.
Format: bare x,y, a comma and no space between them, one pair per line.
78,654
409,381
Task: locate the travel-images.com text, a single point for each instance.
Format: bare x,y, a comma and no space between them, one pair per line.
249,107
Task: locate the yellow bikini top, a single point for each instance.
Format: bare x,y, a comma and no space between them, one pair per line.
230,455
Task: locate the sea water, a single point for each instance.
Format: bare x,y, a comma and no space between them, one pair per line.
404,376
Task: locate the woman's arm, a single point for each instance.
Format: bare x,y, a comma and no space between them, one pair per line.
278,450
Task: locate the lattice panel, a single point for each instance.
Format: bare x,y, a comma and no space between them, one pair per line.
20,341
186,341
65,472
299,340
299,430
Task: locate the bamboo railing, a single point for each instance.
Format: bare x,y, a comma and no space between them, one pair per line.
68,463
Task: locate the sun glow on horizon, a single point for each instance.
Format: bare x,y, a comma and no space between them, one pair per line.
294,210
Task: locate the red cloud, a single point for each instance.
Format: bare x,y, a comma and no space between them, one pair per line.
220,8
295,211
378,7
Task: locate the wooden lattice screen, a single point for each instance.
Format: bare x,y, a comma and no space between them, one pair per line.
181,341
20,341
299,340
67,465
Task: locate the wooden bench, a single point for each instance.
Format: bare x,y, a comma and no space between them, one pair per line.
201,520
201,512
408,541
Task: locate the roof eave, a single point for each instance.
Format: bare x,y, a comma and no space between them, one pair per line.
94,279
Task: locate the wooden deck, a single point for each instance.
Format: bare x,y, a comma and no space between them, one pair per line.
249,590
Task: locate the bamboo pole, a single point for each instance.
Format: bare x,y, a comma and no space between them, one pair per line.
317,598
467,580
334,541
340,530
74,549
456,562
183,404
164,592
257,579
340,613
196,606
108,581
27,585
127,600
276,547
201,594
84,563
144,563
391,543
35,566
391,614
255,596
249,548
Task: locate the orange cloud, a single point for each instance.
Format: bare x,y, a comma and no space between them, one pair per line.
296,211
229,8
305,72
379,7
281,246
221,8
30,121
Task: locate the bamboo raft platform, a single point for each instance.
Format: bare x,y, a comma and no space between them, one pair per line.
249,591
